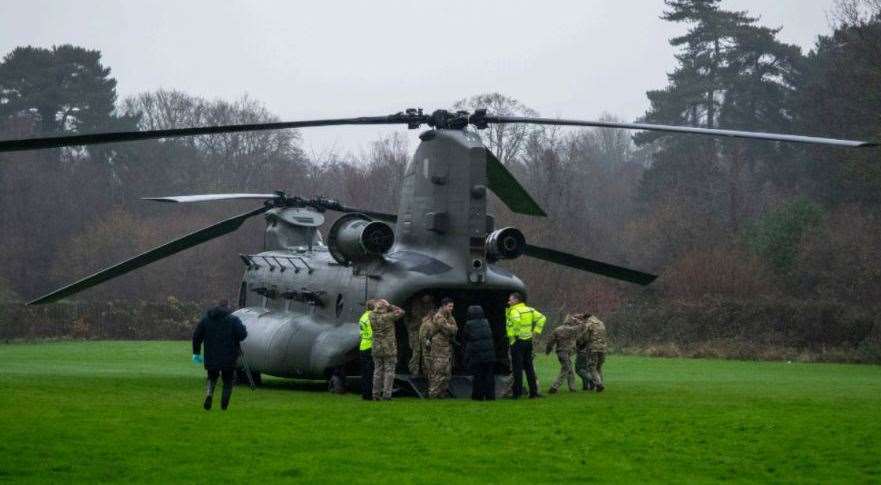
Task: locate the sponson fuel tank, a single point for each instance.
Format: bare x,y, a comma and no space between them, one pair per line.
287,344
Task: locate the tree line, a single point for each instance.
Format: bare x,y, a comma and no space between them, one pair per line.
725,222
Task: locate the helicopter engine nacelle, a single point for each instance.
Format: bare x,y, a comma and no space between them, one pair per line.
507,243
356,238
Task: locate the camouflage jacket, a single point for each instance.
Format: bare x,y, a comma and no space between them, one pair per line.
593,336
422,332
564,337
383,325
441,334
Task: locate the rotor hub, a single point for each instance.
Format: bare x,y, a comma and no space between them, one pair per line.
441,119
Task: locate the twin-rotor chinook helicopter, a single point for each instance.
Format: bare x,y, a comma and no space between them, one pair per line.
300,298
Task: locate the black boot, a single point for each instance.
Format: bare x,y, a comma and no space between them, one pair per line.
209,393
224,397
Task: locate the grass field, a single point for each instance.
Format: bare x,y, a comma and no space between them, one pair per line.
130,411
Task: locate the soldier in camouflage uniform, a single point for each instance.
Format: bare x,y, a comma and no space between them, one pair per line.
582,352
419,309
441,332
563,338
594,338
424,348
385,351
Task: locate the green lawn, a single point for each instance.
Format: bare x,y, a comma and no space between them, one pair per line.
130,411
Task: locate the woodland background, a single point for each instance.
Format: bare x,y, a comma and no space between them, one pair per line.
765,250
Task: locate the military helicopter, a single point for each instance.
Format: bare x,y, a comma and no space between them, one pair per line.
300,298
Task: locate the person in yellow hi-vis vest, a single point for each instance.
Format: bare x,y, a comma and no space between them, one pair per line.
522,324
366,348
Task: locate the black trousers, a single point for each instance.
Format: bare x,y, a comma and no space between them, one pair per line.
228,374
483,387
367,374
225,373
521,360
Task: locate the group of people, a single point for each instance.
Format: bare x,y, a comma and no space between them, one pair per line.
432,334
583,335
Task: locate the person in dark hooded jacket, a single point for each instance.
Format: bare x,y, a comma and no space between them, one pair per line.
221,332
480,355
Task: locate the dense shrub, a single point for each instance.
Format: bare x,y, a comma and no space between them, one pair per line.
749,328
112,320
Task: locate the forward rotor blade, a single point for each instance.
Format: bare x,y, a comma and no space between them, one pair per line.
685,129
193,239
113,137
508,189
184,199
589,265
320,203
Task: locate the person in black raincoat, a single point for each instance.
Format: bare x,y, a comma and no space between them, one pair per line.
480,355
221,332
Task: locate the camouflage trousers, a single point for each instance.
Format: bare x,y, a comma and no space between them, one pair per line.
582,368
415,352
439,376
383,376
566,372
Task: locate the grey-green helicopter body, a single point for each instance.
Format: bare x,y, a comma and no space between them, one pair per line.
301,303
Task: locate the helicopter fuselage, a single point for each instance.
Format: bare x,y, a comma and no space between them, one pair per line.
297,330
301,305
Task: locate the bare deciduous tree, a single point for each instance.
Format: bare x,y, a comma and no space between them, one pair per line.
854,12
505,140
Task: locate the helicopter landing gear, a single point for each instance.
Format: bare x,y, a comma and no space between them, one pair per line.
337,382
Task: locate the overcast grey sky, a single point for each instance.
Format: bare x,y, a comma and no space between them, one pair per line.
305,60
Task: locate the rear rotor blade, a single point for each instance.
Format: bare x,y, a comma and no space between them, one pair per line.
184,199
684,129
508,189
113,137
193,239
589,265
413,118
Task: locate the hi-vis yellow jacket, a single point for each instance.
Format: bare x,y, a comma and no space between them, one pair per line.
522,322
366,332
